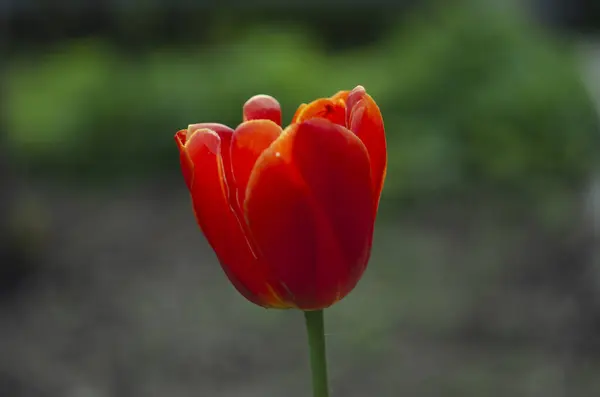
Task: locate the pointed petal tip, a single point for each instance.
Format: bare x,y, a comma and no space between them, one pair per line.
180,138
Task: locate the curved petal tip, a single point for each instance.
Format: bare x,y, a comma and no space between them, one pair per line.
262,107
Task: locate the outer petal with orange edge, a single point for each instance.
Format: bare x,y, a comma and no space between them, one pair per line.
204,149
309,205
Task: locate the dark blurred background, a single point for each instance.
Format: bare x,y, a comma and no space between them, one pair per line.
485,274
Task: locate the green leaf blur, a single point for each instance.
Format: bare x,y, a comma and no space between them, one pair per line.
468,100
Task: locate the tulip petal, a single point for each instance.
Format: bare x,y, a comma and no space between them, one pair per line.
206,150
262,107
187,167
365,120
220,129
341,95
225,133
332,110
309,206
354,96
298,112
250,139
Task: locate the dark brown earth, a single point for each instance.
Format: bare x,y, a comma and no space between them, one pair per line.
124,298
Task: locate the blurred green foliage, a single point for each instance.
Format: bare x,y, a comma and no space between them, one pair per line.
469,99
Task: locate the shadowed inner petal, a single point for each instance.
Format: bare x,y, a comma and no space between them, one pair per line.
352,99
330,109
249,141
341,95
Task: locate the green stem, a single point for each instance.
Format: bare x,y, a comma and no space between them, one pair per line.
316,343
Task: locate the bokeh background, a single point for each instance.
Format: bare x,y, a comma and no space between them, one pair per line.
485,274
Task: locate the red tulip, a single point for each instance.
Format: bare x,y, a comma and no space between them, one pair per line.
290,213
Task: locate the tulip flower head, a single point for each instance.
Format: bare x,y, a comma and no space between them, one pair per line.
290,212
